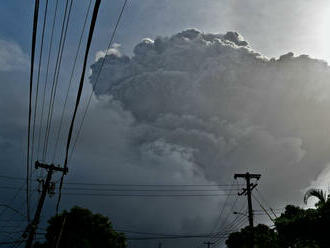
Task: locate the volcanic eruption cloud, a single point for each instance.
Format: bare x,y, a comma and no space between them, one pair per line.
198,107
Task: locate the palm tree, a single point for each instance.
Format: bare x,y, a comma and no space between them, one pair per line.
318,193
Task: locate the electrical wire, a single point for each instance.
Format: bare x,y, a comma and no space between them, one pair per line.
37,85
71,77
34,36
230,225
219,220
144,195
132,185
46,82
221,213
146,190
263,199
151,185
58,63
58,72
81,84
262,207
238,226
131,190
237,223
97,78
164,237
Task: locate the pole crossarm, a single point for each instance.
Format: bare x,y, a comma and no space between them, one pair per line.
50,167
247,175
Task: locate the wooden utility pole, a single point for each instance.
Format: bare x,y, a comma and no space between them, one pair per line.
32,227
208,243
247,191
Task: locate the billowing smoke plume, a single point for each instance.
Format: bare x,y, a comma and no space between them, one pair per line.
198,107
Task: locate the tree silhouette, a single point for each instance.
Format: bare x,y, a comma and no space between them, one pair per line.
80,228
263,237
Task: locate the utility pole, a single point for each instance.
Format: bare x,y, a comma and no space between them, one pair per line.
208,243
32,227
247,191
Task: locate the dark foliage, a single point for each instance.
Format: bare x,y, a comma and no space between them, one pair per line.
263,236
295,228
80,228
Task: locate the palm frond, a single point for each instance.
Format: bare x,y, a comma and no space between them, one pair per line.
318,193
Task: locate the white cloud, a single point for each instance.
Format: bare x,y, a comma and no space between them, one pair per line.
113,50
12,58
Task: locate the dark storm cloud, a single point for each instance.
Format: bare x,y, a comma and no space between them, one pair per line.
212,102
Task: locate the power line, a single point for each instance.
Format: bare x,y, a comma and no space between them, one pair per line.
219,219
71,76
162,234
262,207
38,81
98,75
263,199
144,195
133,185
59,68
46,82
236,227
151,185
132,190
238,221
58,63
148,190
168,237
229,226
222,211
34,35
81,84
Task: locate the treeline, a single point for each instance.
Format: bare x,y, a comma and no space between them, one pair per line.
295,228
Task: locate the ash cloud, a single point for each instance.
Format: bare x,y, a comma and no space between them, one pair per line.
228,105
196,108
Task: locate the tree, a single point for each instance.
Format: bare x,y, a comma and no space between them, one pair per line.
263,237
300,228
295,228
80,228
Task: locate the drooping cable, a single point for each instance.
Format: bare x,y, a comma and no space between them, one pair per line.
34,36
219,219
81,84
238,221
97,77
221,212
228,227
264,200
46,82
226,218
37,86
70,80
56,71
262,207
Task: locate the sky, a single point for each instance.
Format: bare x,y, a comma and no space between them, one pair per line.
182,99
